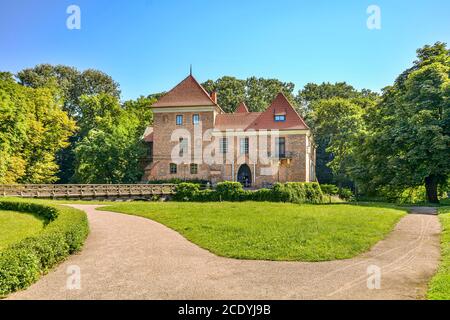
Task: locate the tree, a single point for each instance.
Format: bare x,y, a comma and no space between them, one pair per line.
408,143
312,92
33,127
70,85
257,93
141,109
230,91
111,148
338,123
261,92
109,156
310,98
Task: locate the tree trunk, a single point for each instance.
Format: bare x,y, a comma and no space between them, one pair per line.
431,186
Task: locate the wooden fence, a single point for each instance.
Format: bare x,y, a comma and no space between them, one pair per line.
132,191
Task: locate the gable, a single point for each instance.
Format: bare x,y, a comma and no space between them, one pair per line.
279,106
187,93
241,108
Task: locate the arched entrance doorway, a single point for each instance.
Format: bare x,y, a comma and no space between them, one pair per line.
244,175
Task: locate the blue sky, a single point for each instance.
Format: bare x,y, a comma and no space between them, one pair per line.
147,45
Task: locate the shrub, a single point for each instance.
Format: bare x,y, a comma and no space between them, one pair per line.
261,195
23,262
50,249
48,213
18,269
297,192
230,191
186,191
346,194
206,195
329,189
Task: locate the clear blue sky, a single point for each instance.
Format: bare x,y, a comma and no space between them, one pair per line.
147,46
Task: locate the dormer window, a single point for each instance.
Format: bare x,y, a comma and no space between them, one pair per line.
280,118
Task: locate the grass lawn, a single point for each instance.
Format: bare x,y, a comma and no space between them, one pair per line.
439,288
16,226
273,231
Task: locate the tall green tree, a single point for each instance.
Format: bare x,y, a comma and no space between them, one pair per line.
338,123
408,141
111,148
71,84
33,128
312,99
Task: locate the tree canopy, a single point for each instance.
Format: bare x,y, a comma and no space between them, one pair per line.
111,149
408,137
33,127
257,93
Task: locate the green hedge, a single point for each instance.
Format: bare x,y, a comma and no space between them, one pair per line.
48,213
296,192
22,263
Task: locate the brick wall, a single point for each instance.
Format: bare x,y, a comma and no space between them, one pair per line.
164,125
294,168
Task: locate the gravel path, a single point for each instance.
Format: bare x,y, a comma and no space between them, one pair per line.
129,257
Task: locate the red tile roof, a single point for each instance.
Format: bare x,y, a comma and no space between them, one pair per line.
187,93
190,93
241,108
280,105
262,120
235,120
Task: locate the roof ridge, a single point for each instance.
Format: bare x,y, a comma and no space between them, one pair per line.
188,82
206,92
201,87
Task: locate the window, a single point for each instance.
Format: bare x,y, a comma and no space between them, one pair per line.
149,149
280,147
280,118
195,119
244,146
223,145
173,168
183,146
194,168
179,120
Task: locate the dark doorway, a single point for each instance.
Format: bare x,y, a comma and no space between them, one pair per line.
244,175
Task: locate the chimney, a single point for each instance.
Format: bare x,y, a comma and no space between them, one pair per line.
214,96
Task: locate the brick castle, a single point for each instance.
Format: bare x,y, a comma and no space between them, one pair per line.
193,138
